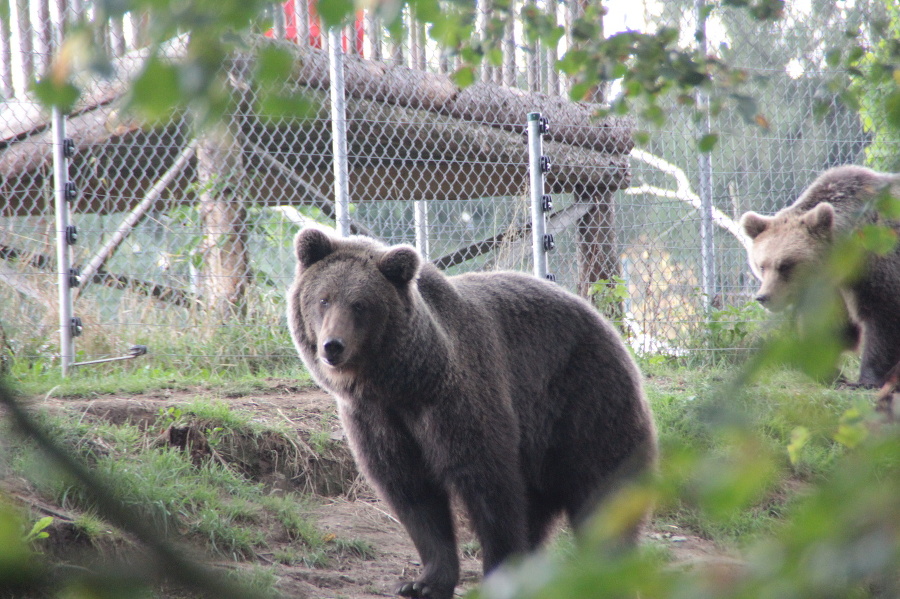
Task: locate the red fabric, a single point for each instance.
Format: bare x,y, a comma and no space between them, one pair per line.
315,33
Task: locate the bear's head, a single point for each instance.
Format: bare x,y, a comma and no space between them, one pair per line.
785,248
349,297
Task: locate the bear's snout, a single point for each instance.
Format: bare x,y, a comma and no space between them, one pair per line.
763,298
333,351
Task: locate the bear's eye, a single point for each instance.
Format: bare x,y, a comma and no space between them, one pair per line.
785,268
324,302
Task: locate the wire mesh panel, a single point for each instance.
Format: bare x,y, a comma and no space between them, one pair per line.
184,234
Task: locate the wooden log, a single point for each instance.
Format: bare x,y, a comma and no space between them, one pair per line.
572,123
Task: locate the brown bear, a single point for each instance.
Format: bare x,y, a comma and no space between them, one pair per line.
794,242
499,388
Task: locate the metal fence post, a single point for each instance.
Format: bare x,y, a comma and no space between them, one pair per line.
64,238
707,246
538,164
339,131
420,222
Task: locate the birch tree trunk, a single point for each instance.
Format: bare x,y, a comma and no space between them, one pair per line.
226,268
598,260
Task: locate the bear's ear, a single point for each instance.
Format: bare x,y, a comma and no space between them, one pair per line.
400,264
753,224
820,220
311,245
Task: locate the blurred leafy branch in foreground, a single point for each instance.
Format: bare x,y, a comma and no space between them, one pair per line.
650,66
667,63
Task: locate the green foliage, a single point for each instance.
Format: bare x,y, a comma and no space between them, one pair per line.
17,561
871,68
730,332
208,501
38,531
609,296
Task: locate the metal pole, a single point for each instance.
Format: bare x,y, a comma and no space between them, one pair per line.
536,175
339,131
63,264
707,247
420,222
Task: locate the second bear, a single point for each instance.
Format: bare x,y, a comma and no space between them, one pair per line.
797,239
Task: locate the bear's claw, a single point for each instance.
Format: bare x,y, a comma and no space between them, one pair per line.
415,590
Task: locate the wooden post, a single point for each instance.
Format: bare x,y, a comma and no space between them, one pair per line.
140,27
552,73
301,22
509,49
26,47
44,36
373,32
534,62
6,79
117,36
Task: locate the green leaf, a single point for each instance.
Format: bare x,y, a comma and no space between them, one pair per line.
579,91
833,57
156,92
892,109
799,438
62,95
708,142
37,531
275,107
464,76
495,56
274,65
878,239
889,206
334,12
852,429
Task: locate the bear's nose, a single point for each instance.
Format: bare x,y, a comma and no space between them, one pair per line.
763,298
333,349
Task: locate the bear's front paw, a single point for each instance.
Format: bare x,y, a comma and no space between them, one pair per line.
416,590
423,590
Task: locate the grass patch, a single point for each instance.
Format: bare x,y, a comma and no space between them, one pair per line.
90,382
203,498
735,444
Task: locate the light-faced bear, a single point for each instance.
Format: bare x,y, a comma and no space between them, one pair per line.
796,240
500,388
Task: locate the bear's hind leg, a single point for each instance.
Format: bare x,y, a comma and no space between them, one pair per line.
498,512
541,514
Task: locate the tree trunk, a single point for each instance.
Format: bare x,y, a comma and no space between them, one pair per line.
598,260
226,269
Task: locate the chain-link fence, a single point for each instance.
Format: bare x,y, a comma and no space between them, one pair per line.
184,239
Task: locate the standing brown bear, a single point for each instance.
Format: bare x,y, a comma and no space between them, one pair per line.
796,240
498,387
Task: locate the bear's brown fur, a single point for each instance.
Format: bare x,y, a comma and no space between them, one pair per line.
795,241
501,388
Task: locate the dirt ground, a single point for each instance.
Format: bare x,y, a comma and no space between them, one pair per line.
354,513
